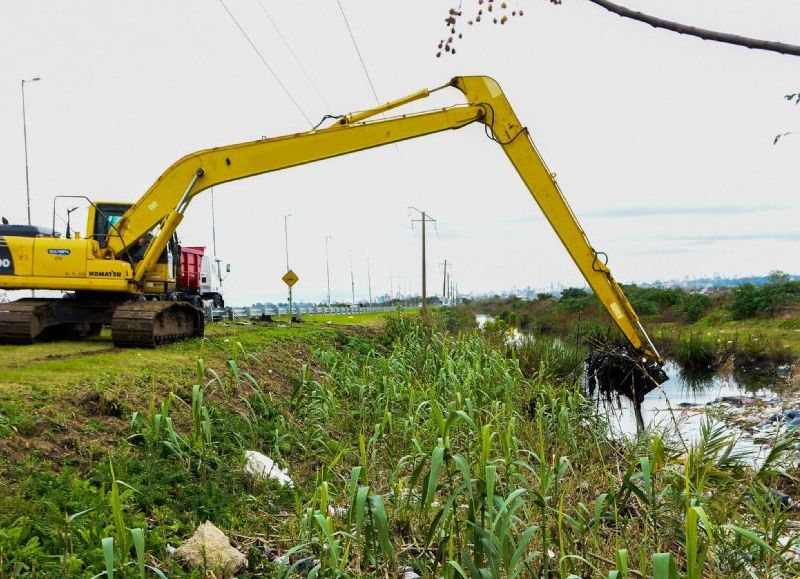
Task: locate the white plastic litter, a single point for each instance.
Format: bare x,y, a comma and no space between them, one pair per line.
263,466
408,573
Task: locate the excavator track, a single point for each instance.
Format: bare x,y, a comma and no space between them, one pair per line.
149,324
20,321
30,320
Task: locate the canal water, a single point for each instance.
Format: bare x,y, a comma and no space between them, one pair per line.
681,404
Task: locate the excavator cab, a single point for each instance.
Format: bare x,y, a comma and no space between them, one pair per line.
101,220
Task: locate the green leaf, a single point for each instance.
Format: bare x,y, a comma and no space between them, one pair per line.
598,508
333,545
361,507
437,458
622,562
458,568
664,566
138,543
382,524
748,534
157,571
108,556
514,567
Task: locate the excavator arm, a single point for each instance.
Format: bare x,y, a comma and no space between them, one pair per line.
164,204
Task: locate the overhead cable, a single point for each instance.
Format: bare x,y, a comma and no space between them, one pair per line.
266,64
358,52
294,55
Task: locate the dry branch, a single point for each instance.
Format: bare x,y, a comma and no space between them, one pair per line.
754,43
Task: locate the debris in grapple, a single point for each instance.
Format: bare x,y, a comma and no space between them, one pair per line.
614,371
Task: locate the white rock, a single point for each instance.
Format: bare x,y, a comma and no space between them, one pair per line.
263,466
209,548
408,573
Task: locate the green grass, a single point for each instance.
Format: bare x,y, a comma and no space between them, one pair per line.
56,364
437,452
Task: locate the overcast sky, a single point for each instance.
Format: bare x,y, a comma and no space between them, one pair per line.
662,144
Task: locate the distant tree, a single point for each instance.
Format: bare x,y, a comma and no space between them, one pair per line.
573,293
543,296
694,306
777,276
746,302
485,11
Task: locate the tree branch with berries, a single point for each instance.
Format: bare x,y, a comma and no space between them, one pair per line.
499,13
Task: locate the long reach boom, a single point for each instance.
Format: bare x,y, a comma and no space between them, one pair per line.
156,215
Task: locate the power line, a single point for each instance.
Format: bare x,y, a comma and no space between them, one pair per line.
358,52
266,64
294,55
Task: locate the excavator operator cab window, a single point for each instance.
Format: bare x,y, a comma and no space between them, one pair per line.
105,215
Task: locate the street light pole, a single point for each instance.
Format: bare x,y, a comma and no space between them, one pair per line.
25,138
286,240
369,282
352,279
328,268
213,224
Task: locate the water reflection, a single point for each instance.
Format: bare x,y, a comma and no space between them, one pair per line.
681,403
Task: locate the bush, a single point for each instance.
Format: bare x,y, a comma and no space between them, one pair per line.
550,359
573,293
750,301
643,305
746,302
508,317
696,352
693,306
455,320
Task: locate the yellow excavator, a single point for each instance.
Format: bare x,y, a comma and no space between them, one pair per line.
121,272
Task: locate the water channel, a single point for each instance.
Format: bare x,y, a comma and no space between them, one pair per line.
681,404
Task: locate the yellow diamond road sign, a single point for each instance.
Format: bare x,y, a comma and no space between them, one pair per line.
290,278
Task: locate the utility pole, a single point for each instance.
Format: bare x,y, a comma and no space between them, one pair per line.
425,219
444,281
445,277
286,239
369,282
352,279
328,268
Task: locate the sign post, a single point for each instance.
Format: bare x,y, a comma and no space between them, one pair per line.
290,278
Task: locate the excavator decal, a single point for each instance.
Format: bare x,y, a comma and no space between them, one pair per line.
6,259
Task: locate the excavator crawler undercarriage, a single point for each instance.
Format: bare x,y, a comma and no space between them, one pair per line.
134,323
